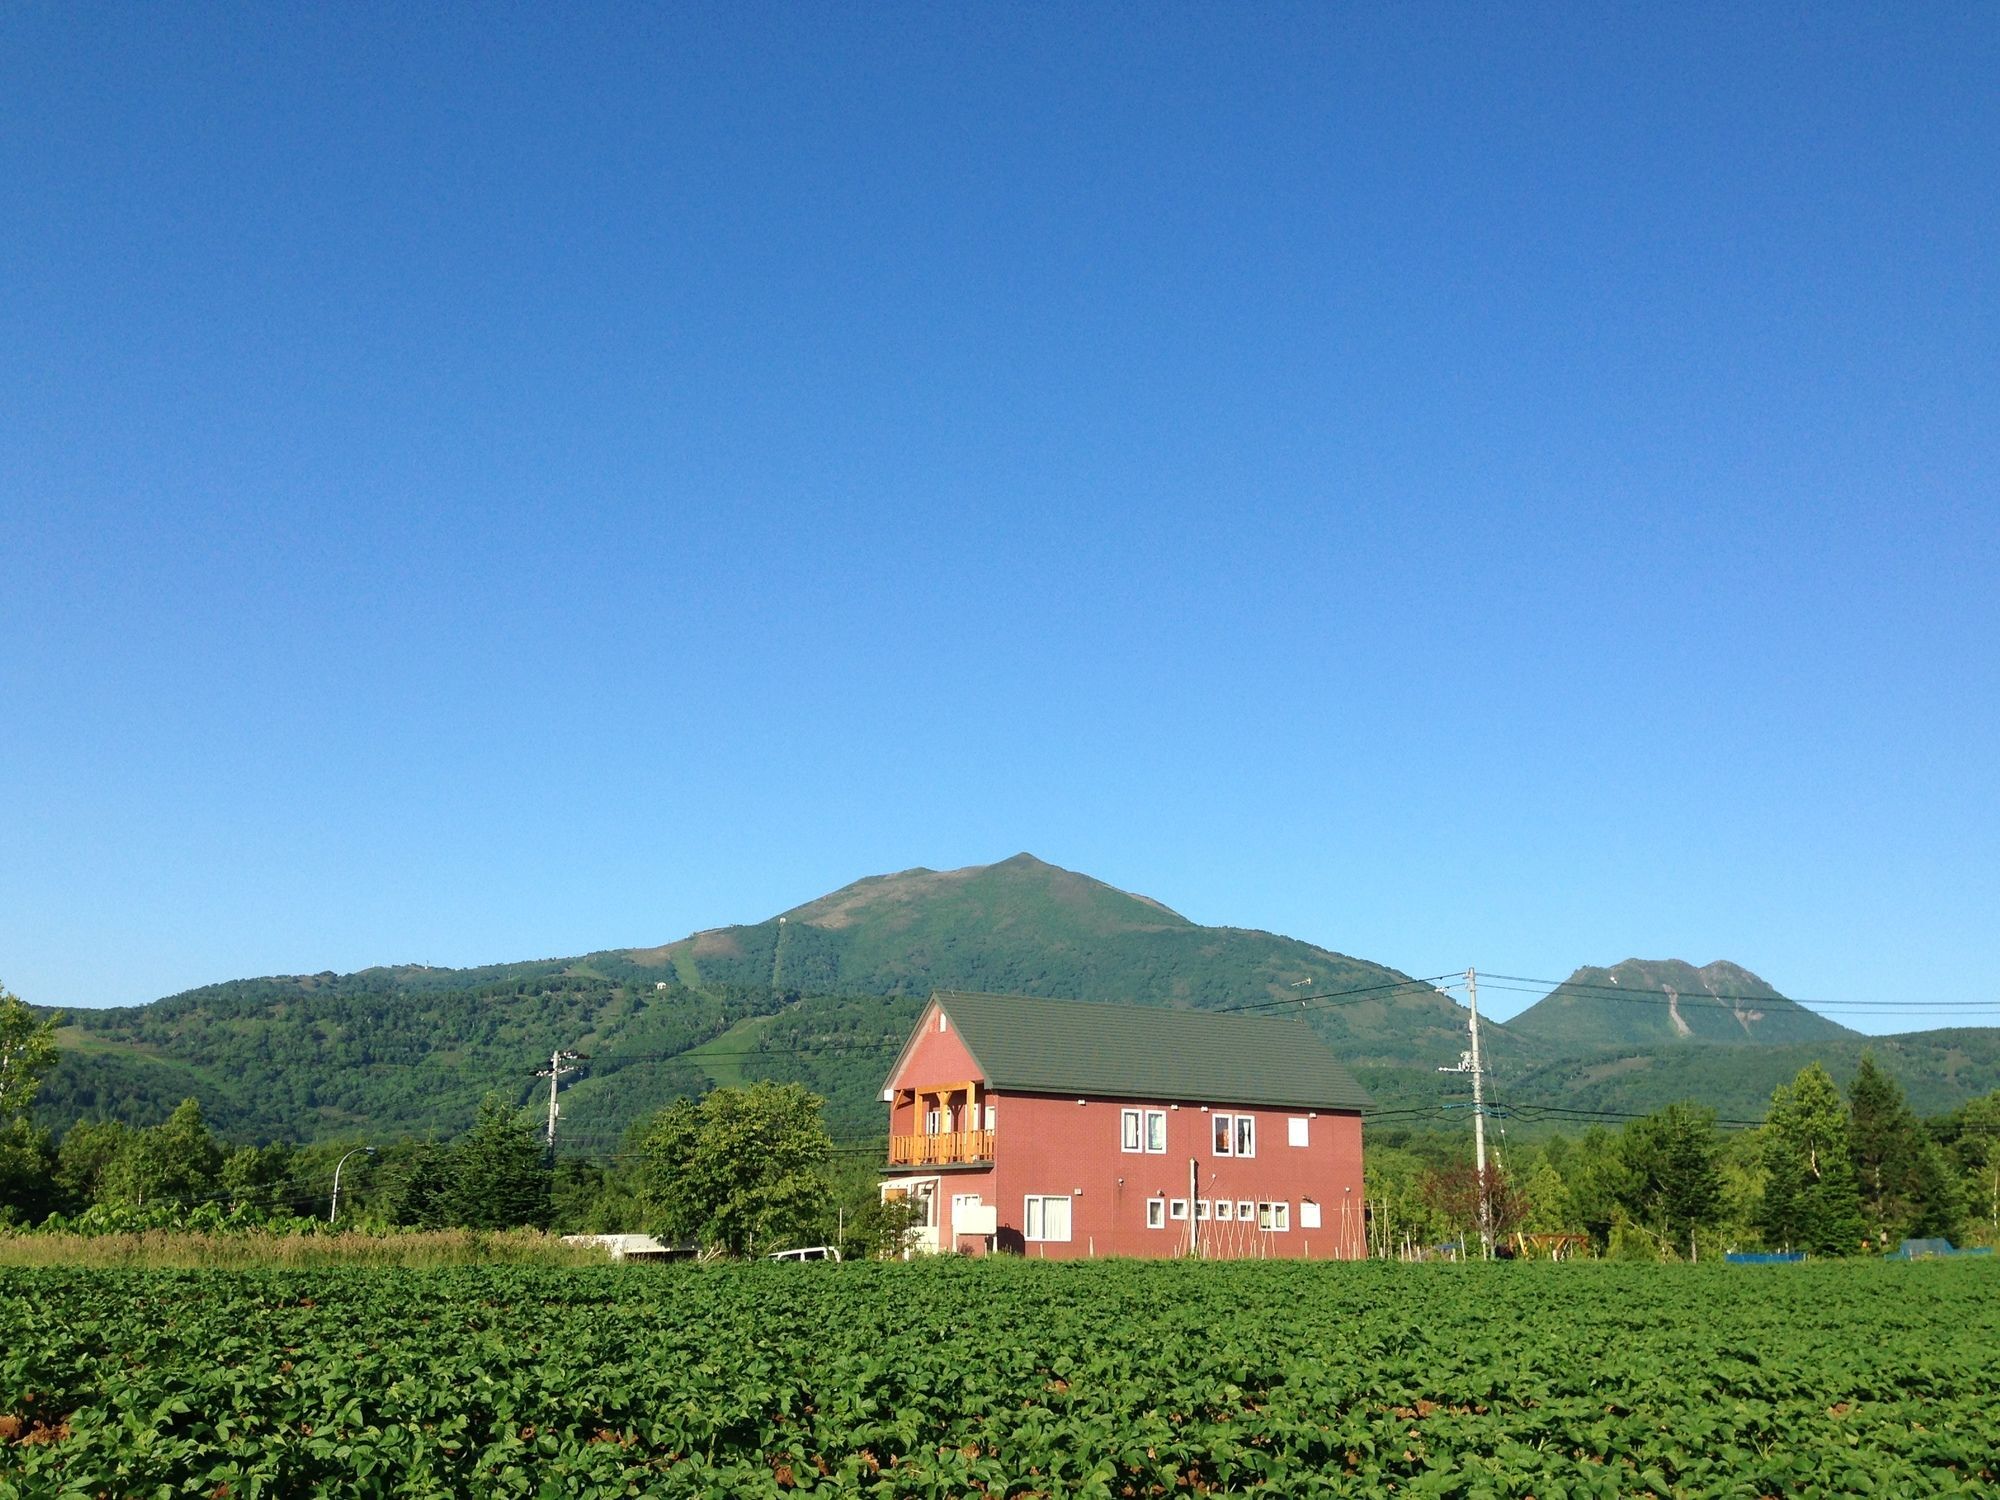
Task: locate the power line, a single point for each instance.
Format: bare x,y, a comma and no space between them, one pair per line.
1643,994
1319,998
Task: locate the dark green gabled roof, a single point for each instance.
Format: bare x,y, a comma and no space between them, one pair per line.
1148,1052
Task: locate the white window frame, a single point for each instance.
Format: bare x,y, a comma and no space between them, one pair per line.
1308,1214
1131,1130
1156,1213
1246,1211
1246,1135
934,1122
1177,1209
1298,1130
1225,1210
1034,1219
1201,1207
1156,1132
1274,1218
1222,1135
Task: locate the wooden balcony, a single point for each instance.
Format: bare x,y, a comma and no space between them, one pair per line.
946,1149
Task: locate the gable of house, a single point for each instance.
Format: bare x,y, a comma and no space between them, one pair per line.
1031,1045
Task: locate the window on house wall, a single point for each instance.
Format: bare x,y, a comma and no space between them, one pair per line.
1156,1213
1245,1210
989,1117
1298,1131
1156,1131
1201,1209
1177,1209
1246,1135
1045,1218
1224,1209
1308,1214
933,1122
1129,1137
1225,1135
1275,1217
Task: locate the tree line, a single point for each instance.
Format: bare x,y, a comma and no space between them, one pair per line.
1825,1173
741,1170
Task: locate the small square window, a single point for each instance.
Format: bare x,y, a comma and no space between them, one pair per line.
1245,1210
1225,1208
1201,1209
1177,1209
1298,1131
1308,1214
1156,1213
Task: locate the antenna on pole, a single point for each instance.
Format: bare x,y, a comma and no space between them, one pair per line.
562,1062
1468,1062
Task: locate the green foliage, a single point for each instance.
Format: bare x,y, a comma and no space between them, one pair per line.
27,1172
1003,1378
1674,1182
1905,1182
741,1169
27,1051
1811,1199
500,1175
178,1161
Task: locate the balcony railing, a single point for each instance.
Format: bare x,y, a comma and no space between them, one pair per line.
947,1148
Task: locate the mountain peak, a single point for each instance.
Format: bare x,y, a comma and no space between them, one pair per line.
1008,888
1644,1001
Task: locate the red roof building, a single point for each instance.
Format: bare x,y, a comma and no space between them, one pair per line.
1064,1129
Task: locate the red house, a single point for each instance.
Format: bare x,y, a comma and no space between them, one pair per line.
1066,1129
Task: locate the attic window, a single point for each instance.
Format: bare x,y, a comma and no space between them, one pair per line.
944,1022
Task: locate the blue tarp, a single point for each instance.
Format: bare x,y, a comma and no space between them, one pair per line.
1763,1258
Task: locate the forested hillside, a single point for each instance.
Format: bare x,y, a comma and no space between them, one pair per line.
823,994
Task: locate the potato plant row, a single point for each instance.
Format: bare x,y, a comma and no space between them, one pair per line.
1112,1379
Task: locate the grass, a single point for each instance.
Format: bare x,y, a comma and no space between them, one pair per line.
195,1250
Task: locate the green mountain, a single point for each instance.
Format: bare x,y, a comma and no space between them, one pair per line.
1649,1002
1938,1071
823,993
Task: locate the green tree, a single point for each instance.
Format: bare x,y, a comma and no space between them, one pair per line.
27,1052
1970,1138
27,1172
175,1162
1809,1168
1906,1184
417,1184
258,1175
739,1169
1597,1181
1673,1185
500,1176
88,1149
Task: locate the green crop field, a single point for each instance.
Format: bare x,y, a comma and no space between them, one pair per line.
1003,1378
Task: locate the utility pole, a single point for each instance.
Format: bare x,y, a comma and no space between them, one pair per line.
1469,1063
562,1062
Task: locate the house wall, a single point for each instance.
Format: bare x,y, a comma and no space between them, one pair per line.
1055,1146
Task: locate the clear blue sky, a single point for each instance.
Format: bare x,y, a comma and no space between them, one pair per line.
485,483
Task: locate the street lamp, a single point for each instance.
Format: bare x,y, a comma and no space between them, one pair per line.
333,1212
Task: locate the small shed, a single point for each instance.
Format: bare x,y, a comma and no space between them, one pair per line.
631,1246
